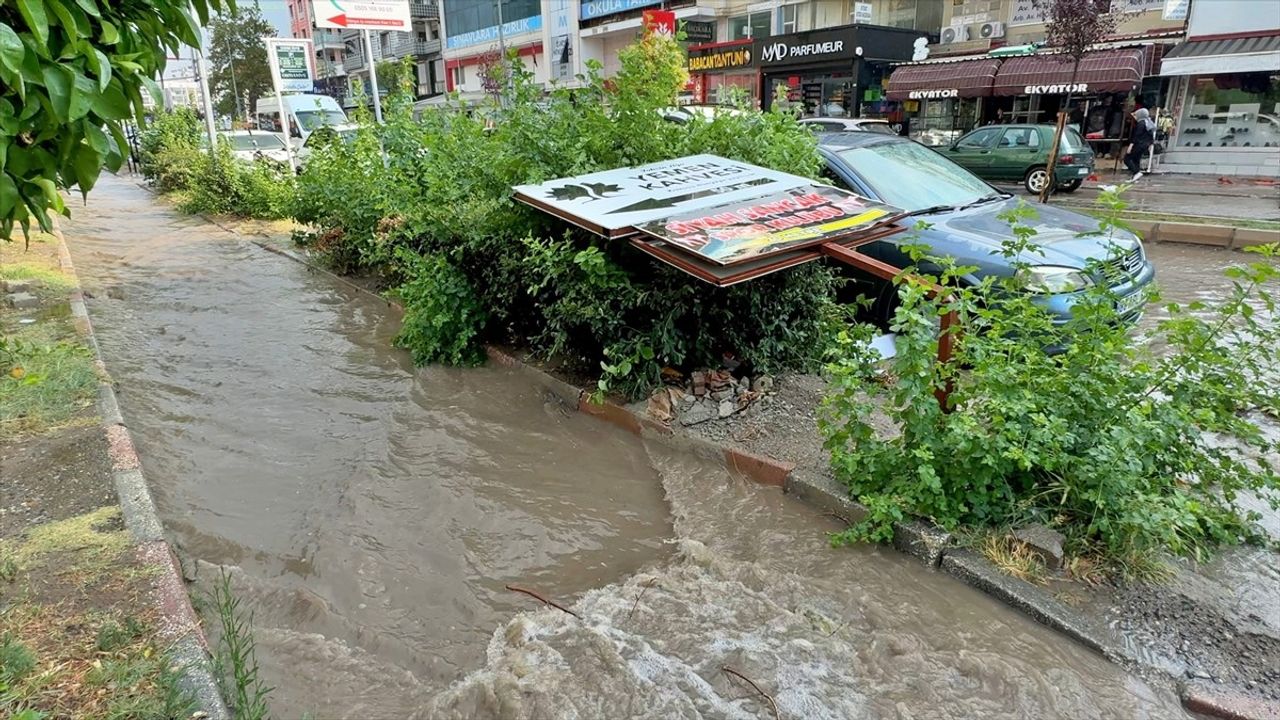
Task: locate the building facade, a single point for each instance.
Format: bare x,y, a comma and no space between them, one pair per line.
991,64
1226,91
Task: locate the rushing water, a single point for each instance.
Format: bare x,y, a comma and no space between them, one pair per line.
372,514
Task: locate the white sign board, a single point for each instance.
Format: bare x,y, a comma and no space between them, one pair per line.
862,12
1175,9
363,14
290,62
614,201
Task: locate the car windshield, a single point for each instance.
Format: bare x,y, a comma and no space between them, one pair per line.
882,128
312,119
256,142
913,177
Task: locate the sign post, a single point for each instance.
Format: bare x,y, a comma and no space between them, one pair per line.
290,65
365,15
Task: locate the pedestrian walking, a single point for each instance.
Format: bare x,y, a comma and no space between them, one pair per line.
1140,140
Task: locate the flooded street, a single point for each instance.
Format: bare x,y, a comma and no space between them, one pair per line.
371,515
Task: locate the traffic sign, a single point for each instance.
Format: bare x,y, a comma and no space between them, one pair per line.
291,63
363,14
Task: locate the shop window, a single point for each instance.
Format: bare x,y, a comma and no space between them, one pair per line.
979,139
1232,111
753,26
787,16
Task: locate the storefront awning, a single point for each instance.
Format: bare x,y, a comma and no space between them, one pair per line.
1118,70
1229,55
966,78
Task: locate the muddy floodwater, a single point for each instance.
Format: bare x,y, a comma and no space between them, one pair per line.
371,515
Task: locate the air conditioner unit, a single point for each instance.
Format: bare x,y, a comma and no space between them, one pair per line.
991,30
955,34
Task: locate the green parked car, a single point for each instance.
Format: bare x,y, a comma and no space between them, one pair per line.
1020,153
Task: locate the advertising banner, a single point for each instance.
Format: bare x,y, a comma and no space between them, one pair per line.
363,14
764,225
613,202
293,64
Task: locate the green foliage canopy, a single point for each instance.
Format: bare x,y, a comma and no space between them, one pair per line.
70,72
238,69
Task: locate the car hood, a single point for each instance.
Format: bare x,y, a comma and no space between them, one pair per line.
974,236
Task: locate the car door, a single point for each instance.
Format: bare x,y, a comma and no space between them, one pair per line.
1017,149
973,150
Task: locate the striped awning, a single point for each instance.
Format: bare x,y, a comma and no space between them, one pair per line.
1226,55
966,78
1118,70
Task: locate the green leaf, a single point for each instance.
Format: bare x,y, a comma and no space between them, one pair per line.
104,69
110,35
87,164
90,7
83,93
33,14
11,49
59,83
68,23
111,103
96,138
8,195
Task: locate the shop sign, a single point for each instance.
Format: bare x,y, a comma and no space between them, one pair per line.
1026,12
612,202
291,64
1056,89
699,32
862,12
662,22
491,34
777,52
592,9
720,59
770,223
933,94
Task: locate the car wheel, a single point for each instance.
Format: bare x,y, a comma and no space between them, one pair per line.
1071,186
1035,180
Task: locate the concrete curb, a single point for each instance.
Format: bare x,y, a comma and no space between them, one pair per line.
179,625
920,539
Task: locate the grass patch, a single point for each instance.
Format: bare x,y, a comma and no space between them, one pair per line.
43,386
1013,558
79,638
236,661
47,280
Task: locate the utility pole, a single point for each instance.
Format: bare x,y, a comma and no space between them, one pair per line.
373,78
203,71
503,90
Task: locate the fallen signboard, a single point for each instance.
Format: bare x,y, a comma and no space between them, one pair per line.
612,203
800,217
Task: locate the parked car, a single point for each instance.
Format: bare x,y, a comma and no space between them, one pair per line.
324,134
1020,153
250,145
962,210
830,124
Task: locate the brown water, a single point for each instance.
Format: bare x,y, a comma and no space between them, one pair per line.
371,514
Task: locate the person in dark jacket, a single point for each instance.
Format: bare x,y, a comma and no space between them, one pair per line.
1140,140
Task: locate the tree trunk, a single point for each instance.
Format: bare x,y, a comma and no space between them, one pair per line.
1052,166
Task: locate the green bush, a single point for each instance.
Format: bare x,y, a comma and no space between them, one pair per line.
223,185
443,193
169,149
1129,446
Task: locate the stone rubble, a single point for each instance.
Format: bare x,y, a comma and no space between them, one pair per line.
707,395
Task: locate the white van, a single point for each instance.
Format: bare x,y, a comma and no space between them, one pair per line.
305,113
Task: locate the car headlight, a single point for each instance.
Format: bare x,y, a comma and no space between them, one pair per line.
1052,279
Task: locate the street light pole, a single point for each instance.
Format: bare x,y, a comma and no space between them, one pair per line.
373,78
208,101
503,90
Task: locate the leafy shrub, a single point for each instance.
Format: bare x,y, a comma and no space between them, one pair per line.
223,185
169,149
442,192
1117,442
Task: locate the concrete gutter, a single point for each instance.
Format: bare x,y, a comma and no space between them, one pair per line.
179,626
919,539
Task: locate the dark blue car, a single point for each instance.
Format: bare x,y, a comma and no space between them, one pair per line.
962,209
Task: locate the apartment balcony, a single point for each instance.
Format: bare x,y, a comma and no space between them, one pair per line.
410,45
326,40
353,62
424,9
